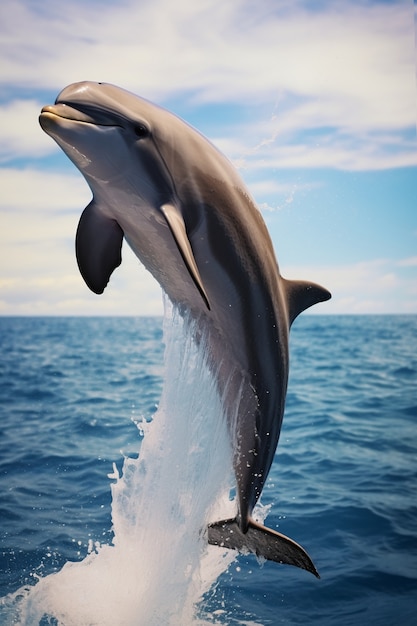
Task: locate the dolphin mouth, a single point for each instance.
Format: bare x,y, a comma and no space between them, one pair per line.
85,114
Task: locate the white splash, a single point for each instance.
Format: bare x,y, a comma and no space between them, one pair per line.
159,565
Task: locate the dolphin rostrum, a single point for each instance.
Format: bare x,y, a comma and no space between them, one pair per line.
188,217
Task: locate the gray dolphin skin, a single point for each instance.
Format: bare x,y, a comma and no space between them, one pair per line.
188,217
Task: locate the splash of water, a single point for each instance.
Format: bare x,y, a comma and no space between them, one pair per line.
159,565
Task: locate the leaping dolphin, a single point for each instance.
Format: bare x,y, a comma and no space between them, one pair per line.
188,217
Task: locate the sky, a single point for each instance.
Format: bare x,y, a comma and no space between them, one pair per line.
313,101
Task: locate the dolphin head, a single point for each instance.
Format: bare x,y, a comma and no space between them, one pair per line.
104,129
130,152
109,135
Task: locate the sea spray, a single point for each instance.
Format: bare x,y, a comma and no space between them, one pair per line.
159,564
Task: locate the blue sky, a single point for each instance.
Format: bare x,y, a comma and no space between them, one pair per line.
314,102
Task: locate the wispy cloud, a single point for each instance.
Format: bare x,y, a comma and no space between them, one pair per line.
409,262
343,69
377,286
51,285
38,191
309,85
19,131
369,152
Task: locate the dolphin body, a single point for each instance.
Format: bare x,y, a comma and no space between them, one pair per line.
188,217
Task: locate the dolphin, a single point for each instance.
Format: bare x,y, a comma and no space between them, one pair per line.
188,217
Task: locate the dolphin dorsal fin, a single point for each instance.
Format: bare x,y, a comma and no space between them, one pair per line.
98,246
301,295
177,227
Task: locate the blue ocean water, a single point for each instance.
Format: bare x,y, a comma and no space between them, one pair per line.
344,482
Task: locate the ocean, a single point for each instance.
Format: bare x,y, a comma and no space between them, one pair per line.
110,461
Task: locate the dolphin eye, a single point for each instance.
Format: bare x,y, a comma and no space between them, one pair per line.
140,131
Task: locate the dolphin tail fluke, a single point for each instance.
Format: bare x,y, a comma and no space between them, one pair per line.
262,541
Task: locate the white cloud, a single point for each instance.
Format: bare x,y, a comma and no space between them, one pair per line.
375,286
345,72
40,276
54,287
271,143
20,132
409,262
330,85
331,151
351,65
39,273
37,191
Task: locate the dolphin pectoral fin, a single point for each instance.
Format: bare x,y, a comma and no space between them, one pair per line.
176,224
262,541
301,295
98,246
